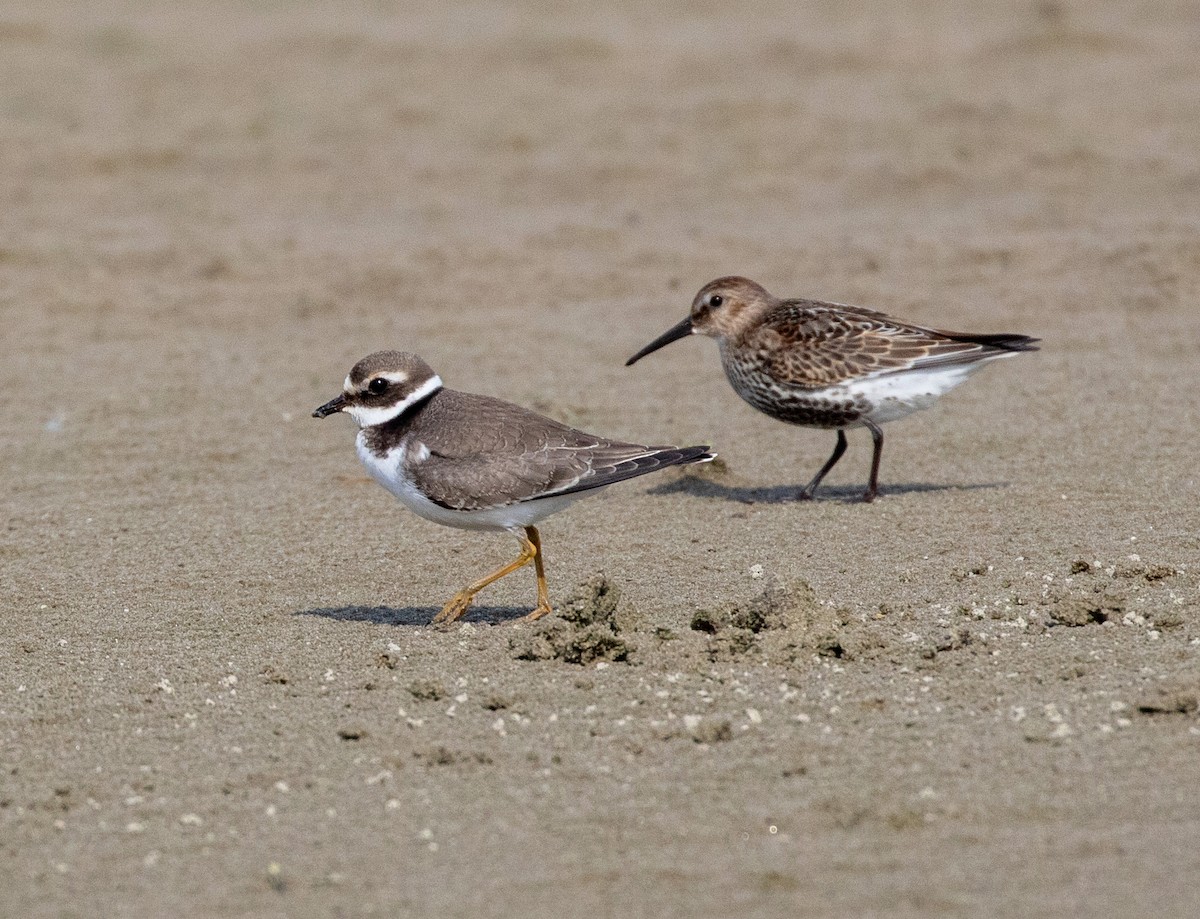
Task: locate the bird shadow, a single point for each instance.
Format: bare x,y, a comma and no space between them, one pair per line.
787,494
411,615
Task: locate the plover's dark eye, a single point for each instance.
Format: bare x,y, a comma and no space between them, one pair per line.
377,386
715,300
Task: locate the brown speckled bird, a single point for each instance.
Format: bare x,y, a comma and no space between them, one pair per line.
826,365
480,463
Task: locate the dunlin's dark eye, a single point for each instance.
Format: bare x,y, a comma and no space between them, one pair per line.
715,300
377,386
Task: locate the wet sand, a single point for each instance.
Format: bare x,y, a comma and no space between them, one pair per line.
978,696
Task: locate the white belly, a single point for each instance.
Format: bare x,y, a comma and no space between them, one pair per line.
894,395
389,472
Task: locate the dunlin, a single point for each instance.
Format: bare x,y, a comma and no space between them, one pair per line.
827,365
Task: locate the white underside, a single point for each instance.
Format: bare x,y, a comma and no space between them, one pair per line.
895,395
388,471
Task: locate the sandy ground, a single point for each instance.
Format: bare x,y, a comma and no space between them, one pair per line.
978,696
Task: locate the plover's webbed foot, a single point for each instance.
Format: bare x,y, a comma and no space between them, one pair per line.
537,613
462,600
457,605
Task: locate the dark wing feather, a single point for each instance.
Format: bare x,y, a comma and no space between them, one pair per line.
810,345
485,452
618,462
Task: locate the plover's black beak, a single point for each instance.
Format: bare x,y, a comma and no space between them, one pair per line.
333,405
674,333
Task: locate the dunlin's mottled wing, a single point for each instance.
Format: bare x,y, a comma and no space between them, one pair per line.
485,452
810,345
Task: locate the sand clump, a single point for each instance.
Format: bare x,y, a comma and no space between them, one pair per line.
590,625
1127,592
427,690
1094,609
784,619
1179,695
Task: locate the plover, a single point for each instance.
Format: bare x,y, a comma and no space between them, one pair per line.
479,463
831,366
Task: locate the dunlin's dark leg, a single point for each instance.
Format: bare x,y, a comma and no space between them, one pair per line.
543,607
460,601
876,435
811,487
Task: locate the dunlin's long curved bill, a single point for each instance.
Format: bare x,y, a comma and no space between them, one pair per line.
676,332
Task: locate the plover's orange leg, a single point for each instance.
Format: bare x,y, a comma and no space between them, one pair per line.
877,436
460,601
810,489
543,607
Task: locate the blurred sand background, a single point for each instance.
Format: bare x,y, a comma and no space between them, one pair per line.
219,695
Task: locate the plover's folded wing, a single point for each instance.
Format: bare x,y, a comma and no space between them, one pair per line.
615,462
480,452
494,480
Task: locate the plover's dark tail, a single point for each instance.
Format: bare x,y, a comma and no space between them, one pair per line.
684,456
618,462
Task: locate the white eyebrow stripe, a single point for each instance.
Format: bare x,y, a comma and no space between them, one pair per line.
369,417
395,376
347,386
